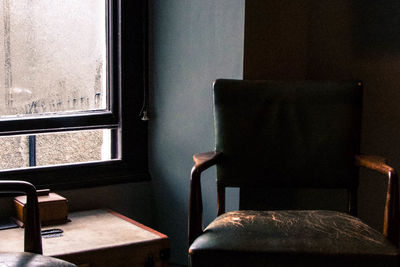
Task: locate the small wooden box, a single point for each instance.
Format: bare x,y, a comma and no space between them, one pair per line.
53,209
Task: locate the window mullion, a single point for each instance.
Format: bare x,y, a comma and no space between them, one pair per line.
58,123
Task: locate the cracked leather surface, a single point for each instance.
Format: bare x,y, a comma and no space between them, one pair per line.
27,259
268,235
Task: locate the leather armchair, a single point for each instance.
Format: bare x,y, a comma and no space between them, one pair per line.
290,135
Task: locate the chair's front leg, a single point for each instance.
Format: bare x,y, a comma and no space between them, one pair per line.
195,206
195,221
391,217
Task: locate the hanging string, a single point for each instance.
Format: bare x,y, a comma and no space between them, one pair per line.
144,111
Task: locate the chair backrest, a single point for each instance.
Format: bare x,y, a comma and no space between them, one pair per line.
33,237
287,134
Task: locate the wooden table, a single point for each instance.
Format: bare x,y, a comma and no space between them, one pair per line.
98,238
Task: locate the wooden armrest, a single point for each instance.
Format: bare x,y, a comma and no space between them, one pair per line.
391,214
202,162
375,163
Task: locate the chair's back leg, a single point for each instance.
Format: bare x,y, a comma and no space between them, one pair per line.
220,199
352,197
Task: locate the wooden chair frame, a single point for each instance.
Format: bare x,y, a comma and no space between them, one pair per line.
205,160
33,237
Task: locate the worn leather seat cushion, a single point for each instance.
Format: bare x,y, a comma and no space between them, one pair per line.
284,238
27,259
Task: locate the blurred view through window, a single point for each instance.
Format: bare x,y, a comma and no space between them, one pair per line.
53,60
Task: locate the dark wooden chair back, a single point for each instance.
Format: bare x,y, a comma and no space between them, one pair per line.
33,238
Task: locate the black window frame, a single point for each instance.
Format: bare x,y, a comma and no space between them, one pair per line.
128,78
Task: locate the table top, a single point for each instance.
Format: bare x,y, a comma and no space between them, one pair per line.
88,230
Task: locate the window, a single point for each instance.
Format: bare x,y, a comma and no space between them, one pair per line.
74,78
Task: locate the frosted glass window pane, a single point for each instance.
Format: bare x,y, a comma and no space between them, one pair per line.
14,152
52,56
72,147
55,149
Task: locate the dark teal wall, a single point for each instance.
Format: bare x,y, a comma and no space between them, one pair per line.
193,43
131,199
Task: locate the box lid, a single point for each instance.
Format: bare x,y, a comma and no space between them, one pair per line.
51,197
